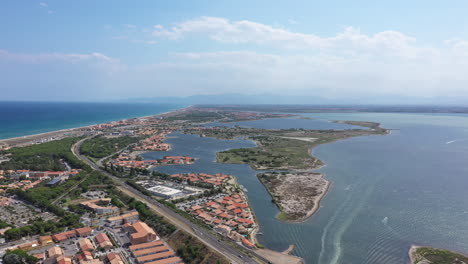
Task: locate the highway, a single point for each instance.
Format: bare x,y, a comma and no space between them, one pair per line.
232,254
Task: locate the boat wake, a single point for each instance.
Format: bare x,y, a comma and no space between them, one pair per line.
455,140
385,221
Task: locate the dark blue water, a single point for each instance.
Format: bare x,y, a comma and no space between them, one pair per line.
387,192
27,118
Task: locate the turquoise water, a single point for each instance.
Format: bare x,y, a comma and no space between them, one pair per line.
27,118
387,192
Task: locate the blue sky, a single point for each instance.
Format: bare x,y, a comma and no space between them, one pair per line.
108,50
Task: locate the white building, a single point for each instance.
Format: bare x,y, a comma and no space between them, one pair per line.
165,192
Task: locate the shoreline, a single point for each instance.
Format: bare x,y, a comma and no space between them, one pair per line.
310,213
434,255
411,253
73,129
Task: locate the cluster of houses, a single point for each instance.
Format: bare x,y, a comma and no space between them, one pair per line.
146,246
35,175
22,184
126,123
128,162
87,246
26,179
101,206
228,215
154,143
217,179
87,243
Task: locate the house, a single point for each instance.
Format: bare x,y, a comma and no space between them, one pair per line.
85,245
98,209
92,261
148,245
170,260
142,233
156,256
247,243
150,251
54,252
103,241
86,255
64,260
45,240
122,219
39,256
222,229
64,236
114,258
84,231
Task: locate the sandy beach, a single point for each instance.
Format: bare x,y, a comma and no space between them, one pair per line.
30,139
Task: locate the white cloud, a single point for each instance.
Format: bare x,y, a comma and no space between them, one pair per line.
51,57
348,64
237,32
46,6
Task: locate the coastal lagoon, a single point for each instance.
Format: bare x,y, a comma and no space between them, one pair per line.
387,192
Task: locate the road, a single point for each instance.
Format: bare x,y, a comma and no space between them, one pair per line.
209,239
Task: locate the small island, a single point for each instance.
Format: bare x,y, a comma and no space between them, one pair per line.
297,194
428,255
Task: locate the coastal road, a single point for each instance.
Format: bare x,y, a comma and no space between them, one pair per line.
232,254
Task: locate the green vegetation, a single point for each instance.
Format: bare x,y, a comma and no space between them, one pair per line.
195,116
3,224
280,148
439,256
272,152
155,221
43,157
371,125
193,251
100,147
19,256
40,227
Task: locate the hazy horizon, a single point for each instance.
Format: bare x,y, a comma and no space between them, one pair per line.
361,52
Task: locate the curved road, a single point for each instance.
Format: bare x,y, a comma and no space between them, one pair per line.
210,240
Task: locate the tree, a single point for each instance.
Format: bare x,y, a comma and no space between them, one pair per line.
19,256
12,259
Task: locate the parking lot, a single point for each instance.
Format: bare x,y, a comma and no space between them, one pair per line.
19,213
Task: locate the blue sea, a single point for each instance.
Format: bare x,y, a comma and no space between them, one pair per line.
27,118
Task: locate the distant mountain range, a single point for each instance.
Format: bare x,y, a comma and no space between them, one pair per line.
294,100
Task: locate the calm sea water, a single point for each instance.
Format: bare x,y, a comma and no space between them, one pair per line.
388,192
27,118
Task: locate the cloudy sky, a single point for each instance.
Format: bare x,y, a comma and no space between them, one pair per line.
108,50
